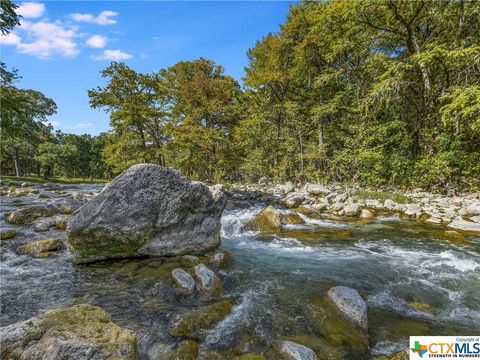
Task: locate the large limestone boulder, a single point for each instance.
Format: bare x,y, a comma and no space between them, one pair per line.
349,302
80,332
147,210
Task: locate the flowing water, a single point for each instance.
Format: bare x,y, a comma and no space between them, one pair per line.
416,280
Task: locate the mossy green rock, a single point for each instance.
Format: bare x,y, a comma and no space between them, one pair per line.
400,355
28,214
268,220
40,246
79,332
205,318
249,357
291,219
7,233
186,350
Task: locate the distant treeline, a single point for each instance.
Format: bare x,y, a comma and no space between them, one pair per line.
374,92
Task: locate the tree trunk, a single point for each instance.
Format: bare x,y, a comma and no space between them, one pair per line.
15,162
301,176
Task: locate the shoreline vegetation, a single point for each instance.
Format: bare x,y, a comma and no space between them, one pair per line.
378,93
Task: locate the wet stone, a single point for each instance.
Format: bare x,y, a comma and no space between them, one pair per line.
40,246
290,350
7,233
208,283
183,282
349,302
189,323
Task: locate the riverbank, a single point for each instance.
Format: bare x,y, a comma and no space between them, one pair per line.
458,212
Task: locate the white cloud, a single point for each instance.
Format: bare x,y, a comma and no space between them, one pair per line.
46,40
97,41
78,126
113,55
30,9
10,39
55,123
104,18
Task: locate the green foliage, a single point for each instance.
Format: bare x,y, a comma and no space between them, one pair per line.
8,18
181,116
375,92
28,144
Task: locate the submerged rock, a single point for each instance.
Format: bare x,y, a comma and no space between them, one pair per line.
30,213
349,302
208,283
464,225
192,321
81,332
183,282
40,246
147,210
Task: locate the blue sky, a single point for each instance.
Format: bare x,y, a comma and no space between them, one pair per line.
61,46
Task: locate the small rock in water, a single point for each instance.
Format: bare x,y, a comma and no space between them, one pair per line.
61,221
294,200
220,259
268,219
48,195
44,224
30,213
189,260
183,282
7,233
367,214
208,283
350,303
79,332
53,186
293,351
40,246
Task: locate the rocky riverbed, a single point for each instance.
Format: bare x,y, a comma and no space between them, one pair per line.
281,290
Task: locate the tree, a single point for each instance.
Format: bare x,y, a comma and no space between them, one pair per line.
24,113
137,110
8,18
205,106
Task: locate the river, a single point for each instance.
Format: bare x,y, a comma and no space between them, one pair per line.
414,279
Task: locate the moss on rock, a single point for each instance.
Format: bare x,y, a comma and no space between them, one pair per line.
40,246
205,318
